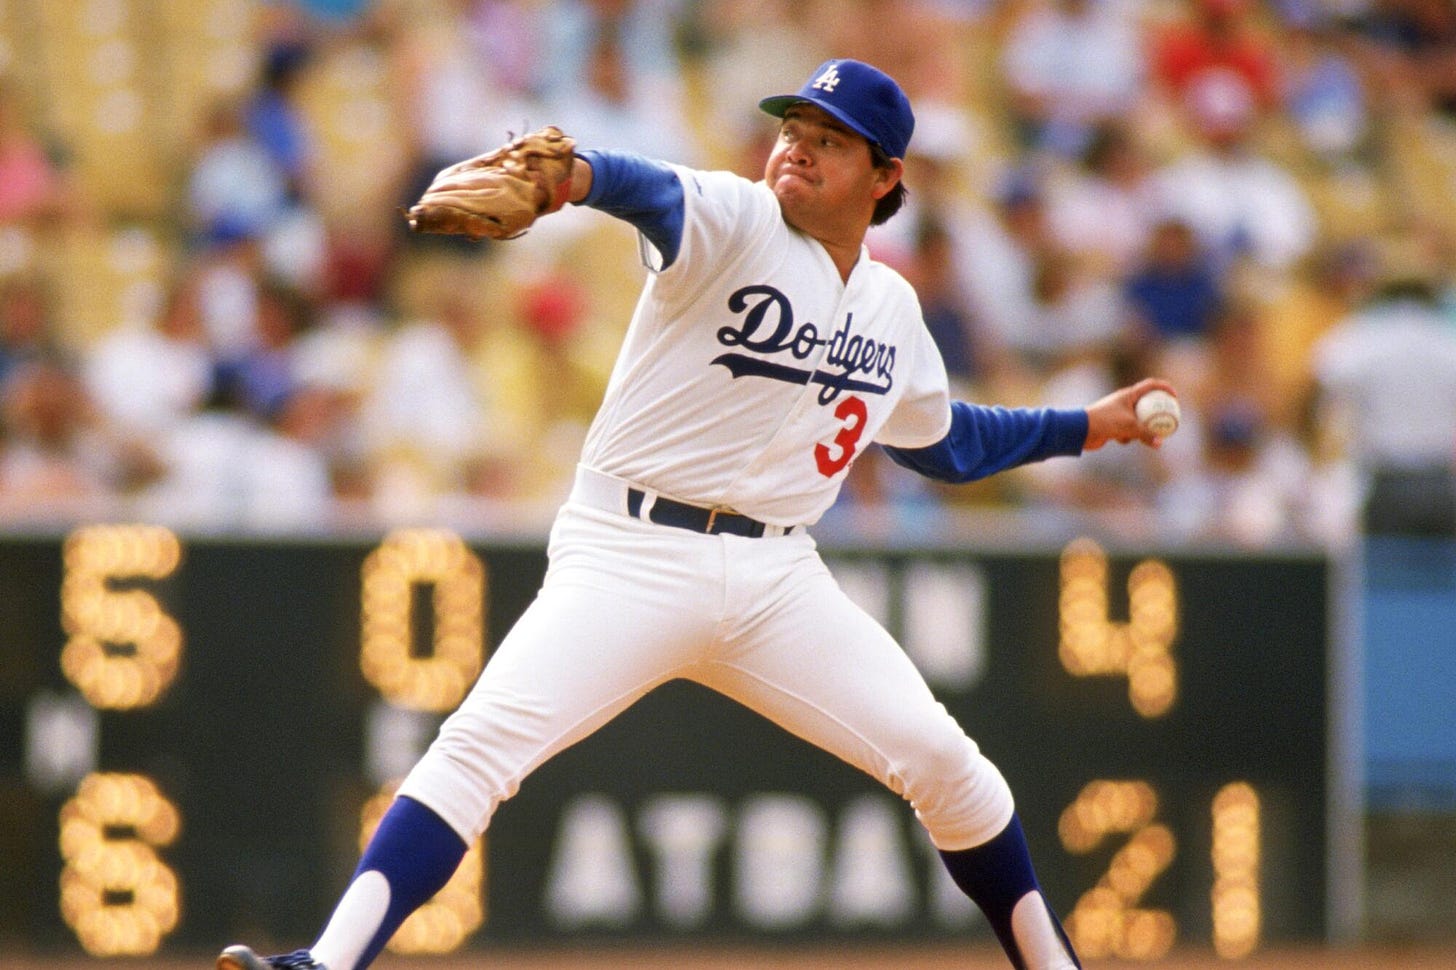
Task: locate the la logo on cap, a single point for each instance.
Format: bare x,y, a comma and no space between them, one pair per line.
870,104
827,81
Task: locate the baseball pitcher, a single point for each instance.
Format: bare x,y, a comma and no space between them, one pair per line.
766,352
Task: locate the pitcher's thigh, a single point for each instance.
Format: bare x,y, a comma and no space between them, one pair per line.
578,656
826,671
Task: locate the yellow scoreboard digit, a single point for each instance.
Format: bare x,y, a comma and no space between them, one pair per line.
427,677
122,652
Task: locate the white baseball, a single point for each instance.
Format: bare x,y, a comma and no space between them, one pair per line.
1157,411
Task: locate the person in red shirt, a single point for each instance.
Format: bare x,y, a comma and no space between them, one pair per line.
1219,40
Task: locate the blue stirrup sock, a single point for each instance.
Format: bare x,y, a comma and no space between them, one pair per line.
411,857
999,878
414,853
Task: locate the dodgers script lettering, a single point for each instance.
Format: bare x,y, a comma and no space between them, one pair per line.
765,326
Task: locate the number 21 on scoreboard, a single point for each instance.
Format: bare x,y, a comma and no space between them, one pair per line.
1106,921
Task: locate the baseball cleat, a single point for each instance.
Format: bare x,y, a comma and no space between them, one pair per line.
243,958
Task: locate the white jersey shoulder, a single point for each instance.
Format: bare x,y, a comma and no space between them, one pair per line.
752,375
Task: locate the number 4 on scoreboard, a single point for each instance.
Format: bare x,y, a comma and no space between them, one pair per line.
1140,649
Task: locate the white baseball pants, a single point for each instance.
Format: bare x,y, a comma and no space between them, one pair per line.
628,605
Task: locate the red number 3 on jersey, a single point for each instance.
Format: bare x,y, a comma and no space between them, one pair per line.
853,413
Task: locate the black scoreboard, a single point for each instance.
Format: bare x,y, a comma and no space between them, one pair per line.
196,733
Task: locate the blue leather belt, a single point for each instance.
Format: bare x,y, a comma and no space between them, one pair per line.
694,518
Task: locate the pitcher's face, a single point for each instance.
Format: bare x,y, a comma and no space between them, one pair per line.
820,170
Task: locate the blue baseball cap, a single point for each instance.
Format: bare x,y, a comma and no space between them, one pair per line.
863,97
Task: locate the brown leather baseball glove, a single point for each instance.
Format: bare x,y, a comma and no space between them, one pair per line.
499,195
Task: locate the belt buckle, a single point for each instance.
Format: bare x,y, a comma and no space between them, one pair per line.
713,516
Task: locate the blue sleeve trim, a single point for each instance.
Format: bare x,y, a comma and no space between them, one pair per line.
985,440
645,192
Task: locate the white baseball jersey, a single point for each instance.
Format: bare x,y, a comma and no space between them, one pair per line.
751,374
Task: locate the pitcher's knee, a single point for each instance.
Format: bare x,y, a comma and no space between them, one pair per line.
960,797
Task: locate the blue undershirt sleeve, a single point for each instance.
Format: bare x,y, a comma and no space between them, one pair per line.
985,440
639,190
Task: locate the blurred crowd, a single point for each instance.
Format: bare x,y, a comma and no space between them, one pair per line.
1252,199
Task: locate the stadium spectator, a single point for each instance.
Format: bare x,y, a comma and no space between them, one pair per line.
262,378
923,44
1393,358
1412,46
289,484
1244,206
931,270
1327,288
427,418
1071,65
58,463
235,188
547,375
1217,45
1104,208
225,470
1076,313
146,378
1174,296
35,188
1248,475
1246,487
646,31
619,108
1324,90
941,166
1121,493
273,117
27,331
999,264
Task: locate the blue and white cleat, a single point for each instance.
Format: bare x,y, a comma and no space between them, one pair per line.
242,958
